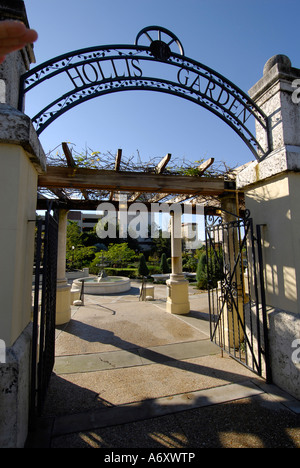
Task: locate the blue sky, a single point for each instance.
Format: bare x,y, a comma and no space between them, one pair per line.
233,37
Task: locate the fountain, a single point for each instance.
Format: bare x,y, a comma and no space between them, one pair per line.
102,274
103,284
107,285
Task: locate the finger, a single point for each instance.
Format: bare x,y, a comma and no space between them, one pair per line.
16,31
14,36
11,28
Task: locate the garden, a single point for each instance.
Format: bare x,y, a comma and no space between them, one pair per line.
123,257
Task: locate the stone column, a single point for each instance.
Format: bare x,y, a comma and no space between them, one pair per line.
63,292
178,295
22,159
272,194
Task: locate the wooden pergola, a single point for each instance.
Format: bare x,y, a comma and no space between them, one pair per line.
95,186
155,185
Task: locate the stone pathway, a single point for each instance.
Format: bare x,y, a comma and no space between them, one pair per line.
128,374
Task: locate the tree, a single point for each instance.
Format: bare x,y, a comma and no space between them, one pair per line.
189,261
119,254
162,245
201,274
74,238
215,261
90,238
164,267
80,257
143,269
216,266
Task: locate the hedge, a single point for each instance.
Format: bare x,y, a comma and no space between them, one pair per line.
128,272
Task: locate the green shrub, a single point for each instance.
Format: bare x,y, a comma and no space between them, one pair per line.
215,260
128,272
79,258
143,269
164,267
189,262
154,270
201,273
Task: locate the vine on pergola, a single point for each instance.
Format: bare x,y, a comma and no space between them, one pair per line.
97,160
89,158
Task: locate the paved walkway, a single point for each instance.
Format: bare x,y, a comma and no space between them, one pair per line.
129,375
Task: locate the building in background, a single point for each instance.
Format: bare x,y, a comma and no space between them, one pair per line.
87,221
190,234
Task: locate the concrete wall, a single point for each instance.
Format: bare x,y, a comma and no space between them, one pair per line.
21,159
271,205
272,194
15,392
18,187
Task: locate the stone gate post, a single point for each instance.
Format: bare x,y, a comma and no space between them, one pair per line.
63,290
21,160
272,194
178,293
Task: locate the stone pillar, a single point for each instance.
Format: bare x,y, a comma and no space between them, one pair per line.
63,292
178,295
22,159
272,193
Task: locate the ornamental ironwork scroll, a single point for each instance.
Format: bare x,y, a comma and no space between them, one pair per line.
84,74
236,291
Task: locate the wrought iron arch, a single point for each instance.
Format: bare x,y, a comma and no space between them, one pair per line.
100,70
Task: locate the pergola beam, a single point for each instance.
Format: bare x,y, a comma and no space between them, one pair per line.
90,205
68,155
205,165
59,193
179,199
135,196
118,160
117,167
160,167
157,197
163,164
71,163
82,178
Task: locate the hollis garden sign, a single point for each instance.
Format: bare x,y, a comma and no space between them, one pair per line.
88,73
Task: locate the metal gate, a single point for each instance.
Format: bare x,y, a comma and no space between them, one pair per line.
44,309
238,322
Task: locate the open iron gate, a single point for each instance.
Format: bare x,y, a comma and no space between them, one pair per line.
238,321
44,309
